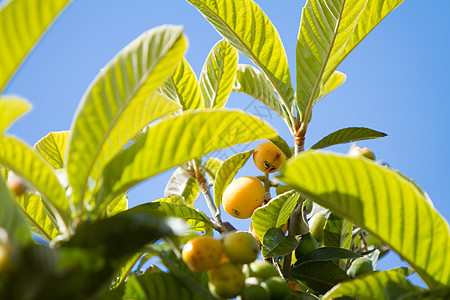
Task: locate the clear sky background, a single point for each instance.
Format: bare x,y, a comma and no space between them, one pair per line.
398,82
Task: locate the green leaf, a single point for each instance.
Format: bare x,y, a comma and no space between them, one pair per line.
218,74
275,243
182,87
120,103
329,31
282,145
197,220
196,132
52,147
156,286
321,276
380,201
348,135
274,214
254,83
25,162
326,254
434,294
370,286
181,184
226,173
126,269
11,108
41,223
241,23
22,24
171,199
336,79
117,205
11,218
337,232
211,166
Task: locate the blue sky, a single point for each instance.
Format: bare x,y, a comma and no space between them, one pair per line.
397,82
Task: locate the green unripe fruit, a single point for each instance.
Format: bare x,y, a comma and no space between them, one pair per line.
260,269
360,266
255,292
316,224
281,189
240,247
226,281
277,287
306,245
356,151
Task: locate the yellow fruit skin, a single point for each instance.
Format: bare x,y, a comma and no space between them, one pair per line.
202,253
16,186
226,281
240,247
268,157
243,196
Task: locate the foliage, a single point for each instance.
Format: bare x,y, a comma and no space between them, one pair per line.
147,112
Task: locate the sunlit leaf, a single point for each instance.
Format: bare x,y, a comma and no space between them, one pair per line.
40,221
254,83
218,73
282,145
22,24
197,220
211,166
25,162
120,103
117,205
182,184
196,132
274,214
182,87
11,218
336,79
52,147
370,286
11,108
348,135
226,173
171,199
126,269
241,23
329,31
380,201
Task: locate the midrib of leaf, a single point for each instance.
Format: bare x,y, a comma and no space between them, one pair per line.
218,85
42,230
322,69
119,115
258,62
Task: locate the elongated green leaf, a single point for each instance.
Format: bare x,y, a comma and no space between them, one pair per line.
337,232
22,22
218,74
329,31
181,184
321,276
254,83
11,108
372,286
326,254
282,145
120,103
20,158
182,87
241,23
348,135
171,199
195,219
336,79
274,214
11,218
379,200
434,294
197,133
211,166
275,243
226,173
117,205
126,269
34,210
52,147
156,286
